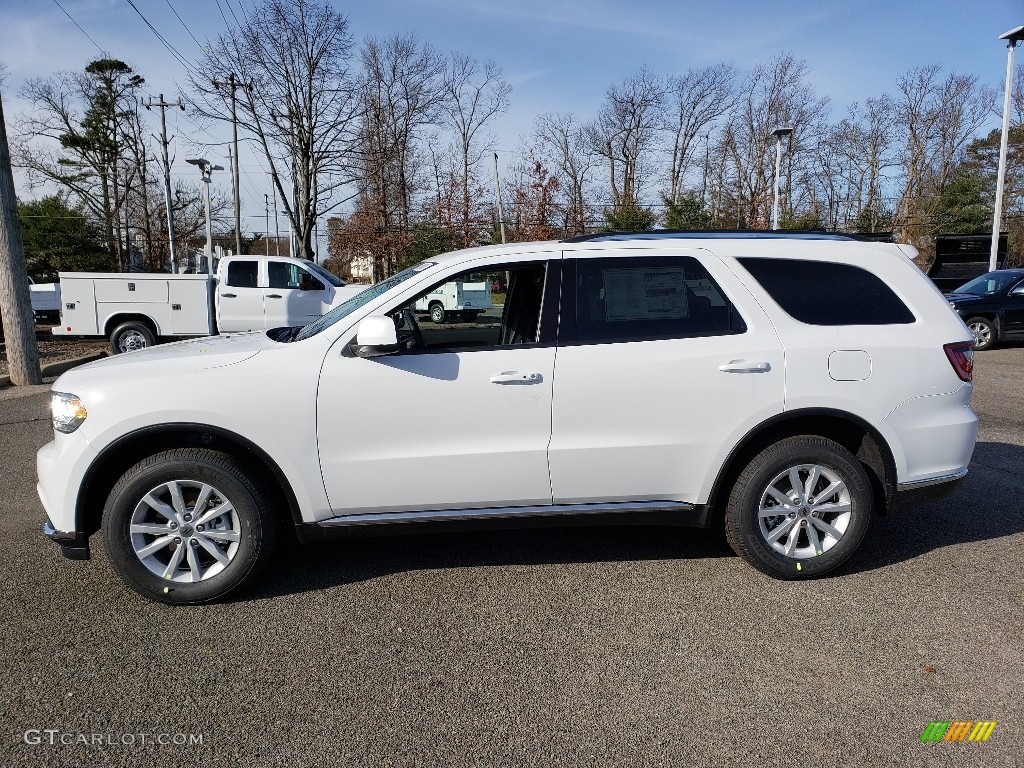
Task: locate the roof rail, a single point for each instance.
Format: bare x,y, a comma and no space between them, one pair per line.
721,234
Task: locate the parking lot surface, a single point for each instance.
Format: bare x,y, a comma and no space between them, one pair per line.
574,647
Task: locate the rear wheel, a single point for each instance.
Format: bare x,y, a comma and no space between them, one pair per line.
130,336
985,335
800,508
187,526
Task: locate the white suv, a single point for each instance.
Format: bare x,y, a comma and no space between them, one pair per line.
784,386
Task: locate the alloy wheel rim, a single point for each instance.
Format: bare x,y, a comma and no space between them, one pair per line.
805,511
982,333
185,531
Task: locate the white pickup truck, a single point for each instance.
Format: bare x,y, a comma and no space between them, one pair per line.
248,293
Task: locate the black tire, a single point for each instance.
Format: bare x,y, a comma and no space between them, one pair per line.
769,470
248,520
470,316
131,336
984,330
437,314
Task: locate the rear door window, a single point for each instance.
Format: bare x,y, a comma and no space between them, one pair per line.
646,298
242,274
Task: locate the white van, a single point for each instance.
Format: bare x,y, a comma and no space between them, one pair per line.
466,300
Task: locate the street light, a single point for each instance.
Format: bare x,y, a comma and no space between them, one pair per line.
778,133
1012,37
207,169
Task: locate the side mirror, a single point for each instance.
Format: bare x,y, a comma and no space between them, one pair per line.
375,336
1018,291
309,283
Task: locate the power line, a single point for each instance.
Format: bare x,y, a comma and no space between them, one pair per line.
173,51
219,8
200,45
79,27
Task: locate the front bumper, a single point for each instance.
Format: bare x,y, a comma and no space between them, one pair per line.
74,545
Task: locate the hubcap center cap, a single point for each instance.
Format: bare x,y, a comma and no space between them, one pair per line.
187,530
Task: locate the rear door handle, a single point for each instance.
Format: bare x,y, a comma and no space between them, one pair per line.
745,366
516,377
228,295
273,295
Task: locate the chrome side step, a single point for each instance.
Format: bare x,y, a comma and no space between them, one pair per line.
548,510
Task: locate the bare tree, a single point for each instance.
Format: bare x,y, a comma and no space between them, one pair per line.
402,92
300,100
625,134
562,140
936,118
694,101
476,93
775,95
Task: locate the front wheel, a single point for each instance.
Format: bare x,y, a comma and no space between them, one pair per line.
984,331
187,526
800,508
436,314
131,336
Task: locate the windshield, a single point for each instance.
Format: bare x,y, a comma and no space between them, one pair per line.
316,268
364,297
988,284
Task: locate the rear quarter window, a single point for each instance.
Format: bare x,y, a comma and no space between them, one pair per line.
825,293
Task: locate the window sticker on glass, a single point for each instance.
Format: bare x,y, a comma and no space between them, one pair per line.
645,294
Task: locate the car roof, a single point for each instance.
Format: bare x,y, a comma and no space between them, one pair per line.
683,237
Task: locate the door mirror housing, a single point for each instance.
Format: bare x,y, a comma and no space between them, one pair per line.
309,283
376,336
1018,291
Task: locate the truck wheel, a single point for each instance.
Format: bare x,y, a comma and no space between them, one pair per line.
187,526
436,313
470,317
800,508
985,334
130,336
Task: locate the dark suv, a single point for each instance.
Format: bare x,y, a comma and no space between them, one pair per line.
992,306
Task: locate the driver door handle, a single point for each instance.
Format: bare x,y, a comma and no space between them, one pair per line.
227,295
745,366
516,377
273,295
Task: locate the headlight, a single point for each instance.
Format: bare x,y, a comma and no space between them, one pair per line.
66,412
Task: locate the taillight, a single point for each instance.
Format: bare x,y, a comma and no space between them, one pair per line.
961,357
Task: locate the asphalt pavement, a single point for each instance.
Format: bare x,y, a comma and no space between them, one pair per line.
556,647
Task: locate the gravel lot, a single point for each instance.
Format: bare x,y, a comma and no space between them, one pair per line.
54,349
582,647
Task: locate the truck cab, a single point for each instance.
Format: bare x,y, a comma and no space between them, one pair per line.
271,292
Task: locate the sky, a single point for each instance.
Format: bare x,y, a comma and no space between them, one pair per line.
559,55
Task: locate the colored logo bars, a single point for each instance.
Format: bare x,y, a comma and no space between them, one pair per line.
958,730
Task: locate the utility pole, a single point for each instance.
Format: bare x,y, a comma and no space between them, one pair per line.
266,210
232,162
234,85
497,195
15,300
277,225
164,141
